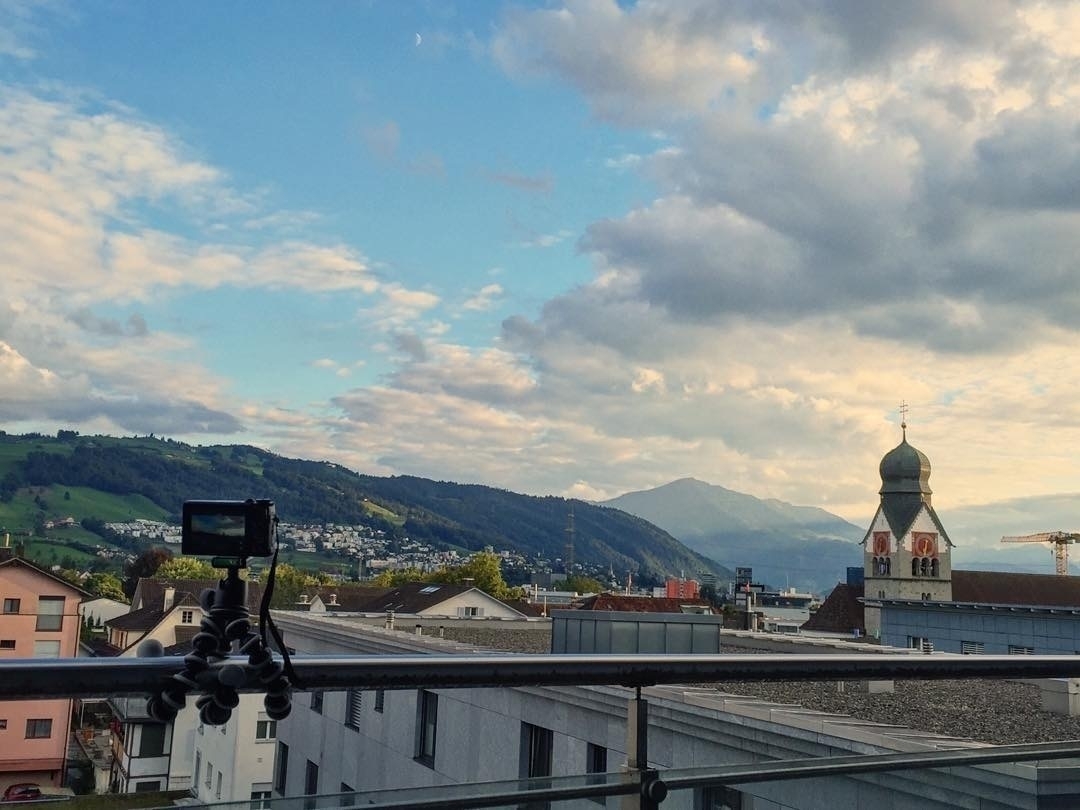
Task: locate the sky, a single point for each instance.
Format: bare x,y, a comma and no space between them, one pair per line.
575,248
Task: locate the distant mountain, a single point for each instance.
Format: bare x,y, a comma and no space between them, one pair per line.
100,478
787,546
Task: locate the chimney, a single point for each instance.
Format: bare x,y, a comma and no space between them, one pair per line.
170,597
333,599
303,599
419,630
468,582
389,620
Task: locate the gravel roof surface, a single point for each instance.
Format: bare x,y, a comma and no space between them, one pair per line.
989,710
504,639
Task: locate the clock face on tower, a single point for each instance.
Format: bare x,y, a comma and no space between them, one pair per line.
924,544
881,544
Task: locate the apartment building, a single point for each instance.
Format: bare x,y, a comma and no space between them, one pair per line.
40,619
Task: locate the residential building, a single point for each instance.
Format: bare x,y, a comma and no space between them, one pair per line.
40,619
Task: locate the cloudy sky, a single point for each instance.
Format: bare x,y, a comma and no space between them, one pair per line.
575,248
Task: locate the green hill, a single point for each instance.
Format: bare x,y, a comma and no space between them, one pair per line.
95,478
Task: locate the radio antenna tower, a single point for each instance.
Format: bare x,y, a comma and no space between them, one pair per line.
570,534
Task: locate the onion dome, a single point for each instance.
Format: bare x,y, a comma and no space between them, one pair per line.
905,469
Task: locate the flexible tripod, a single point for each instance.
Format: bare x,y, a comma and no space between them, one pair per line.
227,626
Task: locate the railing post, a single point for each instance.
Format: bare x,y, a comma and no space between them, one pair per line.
653,790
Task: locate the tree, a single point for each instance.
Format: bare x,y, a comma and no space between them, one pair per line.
145,565
106,585
290,582
484,569
583,584
185,568
393,577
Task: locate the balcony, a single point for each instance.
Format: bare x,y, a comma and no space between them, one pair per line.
951,772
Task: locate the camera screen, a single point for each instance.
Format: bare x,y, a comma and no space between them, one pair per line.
220,525
229,528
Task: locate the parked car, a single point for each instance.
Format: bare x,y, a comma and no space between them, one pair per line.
22,792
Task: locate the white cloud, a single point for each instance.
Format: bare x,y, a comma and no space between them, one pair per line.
484,299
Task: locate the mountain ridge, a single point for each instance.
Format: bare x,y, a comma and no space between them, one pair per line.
784,543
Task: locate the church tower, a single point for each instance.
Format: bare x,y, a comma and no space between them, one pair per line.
906,552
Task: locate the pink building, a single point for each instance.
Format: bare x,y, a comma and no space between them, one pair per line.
40,619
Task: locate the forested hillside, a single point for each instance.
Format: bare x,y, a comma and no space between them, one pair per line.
166,473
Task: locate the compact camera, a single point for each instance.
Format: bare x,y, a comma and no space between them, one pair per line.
238,529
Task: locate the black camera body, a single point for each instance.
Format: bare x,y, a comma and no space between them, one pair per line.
237,529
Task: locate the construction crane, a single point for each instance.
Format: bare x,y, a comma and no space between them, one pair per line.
1061,541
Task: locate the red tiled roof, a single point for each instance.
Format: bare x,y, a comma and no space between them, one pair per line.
1000,588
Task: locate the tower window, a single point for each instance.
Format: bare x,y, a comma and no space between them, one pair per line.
915,567
935,568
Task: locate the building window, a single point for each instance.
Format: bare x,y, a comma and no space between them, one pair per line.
46,649
50,615
719,797
187,617
39,729
217,792
380,700
311,783
920,643
12,605
470,612
537,743
7,644
265,729
260,799
1015,649
198,768
915,566
3,724
595,759
596,766
148,787
209,774
152,740
317,701
348,796
972,647
282,766
352,708
935,568
427,720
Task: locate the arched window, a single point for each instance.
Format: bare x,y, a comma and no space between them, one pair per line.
888,566
915,566
935,568
925,566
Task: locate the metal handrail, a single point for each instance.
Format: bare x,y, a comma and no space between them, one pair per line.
37,678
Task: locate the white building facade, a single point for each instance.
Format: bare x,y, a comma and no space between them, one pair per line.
366,741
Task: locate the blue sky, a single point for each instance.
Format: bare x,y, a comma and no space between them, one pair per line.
575,248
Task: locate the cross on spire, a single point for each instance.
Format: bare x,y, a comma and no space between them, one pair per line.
903,417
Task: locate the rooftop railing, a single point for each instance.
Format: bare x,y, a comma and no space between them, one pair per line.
137,677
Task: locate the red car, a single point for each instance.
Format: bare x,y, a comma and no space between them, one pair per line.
22,792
